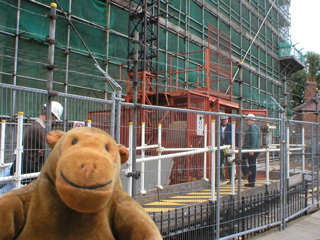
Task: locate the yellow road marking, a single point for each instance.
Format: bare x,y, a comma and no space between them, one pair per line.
161,203
188,197
185,200
158,209
193,197
199,193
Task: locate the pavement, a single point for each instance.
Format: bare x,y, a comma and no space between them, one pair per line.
304,228
189,198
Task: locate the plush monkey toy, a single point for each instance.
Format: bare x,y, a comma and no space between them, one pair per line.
78,194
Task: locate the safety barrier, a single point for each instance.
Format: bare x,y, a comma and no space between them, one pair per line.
176,147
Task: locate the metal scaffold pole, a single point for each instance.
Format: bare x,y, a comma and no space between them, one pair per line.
239,70
107,49
109,80
135,114
218,177
67,52
285,170
15,68
112,83
240,81
158,47
50,66
282,172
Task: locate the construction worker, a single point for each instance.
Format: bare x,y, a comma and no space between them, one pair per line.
226,139
34,140
252,141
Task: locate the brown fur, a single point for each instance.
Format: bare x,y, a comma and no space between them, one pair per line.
61,203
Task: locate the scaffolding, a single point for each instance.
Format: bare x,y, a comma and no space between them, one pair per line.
144,18
174,28
189,52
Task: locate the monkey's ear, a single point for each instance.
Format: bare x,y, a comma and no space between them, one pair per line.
124,153
53,137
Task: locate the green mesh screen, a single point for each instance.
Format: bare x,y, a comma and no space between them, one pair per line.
8,13
91,19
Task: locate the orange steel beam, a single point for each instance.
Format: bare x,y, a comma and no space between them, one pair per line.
190,70
208,69
181,54
255,111
183,70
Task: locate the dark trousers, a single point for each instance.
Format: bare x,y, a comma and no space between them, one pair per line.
27,167
252,161
224,164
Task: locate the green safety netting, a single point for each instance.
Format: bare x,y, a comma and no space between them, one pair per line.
91,18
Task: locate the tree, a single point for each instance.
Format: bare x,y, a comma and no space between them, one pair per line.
299,78
313,65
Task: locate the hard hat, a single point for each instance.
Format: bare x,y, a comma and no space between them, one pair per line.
56,109
223,117
251,117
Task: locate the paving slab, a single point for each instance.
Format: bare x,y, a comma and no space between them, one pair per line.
305,228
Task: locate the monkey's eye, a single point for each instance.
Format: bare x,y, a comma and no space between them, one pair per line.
74,141
107,148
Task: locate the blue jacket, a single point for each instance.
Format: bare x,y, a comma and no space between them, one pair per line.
227,135
6,187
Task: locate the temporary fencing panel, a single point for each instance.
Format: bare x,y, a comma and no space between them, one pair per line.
77,111
179,159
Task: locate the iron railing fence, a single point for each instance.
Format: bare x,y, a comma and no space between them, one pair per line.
251,216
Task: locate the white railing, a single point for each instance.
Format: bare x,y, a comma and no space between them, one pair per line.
231,149
18,152
164,153
3,136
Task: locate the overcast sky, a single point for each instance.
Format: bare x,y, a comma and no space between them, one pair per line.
305,24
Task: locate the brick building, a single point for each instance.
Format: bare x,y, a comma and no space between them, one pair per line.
308,110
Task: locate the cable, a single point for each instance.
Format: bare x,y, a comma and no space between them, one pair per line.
110,80
22,9
245,56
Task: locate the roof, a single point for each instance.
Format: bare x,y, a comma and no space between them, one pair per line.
309,106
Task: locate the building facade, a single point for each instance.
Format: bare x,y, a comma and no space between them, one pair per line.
174,36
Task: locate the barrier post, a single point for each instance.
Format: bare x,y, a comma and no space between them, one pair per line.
3,136
303,152
19,150
205,154
233,166
213,161
112,117
129,162
288,152
143,131
267,167
159,154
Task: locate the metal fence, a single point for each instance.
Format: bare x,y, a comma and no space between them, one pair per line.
179,152
29,104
